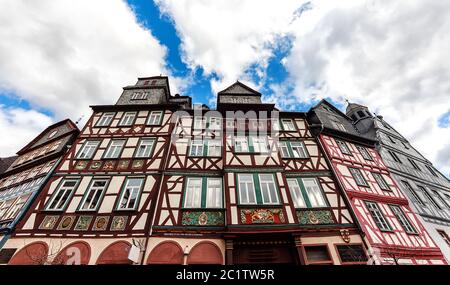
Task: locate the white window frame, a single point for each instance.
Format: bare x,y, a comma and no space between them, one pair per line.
95,193
214,148
145,148
402,219
134,192
155,118
358,177
343,147
193,195
62,195
91,147
128,119
378,216
250,189
243,141
105,119
296,193
215,123
364,152
290,126
268,189
314,192
259,144
381,181
114,149
300,146
199,146
137,95
214,193
199,123
284,149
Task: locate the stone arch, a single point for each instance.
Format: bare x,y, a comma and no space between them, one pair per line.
64,256
205,252
32,254
166,252
115,253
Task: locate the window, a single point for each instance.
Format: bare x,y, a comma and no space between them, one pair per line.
247,193
431,170
354,118
275,124
444,236
139,96
296,193
214,148
114,149
257,189
199,123
318,254
351,253
105,120
358,176
127,119
214,193
413,164
343,147
288,125
4,208
259,144
306,193
363,151
405,145
145,147
196,148
155,118
361,114
241,144
193,193
441,200
338,126
16,207
391,139
52,134
268,189
198,188
130,194
215,123
284,149
402,219
93,195
394,156
378,216
62,195
413,193
88,149
430,199
298,149
380,181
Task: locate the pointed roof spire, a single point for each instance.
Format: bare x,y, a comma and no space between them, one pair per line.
239,88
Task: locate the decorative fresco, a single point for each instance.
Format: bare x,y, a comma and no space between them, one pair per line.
66,223
315,217
100,223
262,216
119,223
83,223
201,218
48,223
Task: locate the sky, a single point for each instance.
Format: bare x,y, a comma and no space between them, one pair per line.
59,57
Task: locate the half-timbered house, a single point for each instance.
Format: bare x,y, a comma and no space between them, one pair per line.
97,207
394,233
26,176
427,189
245,183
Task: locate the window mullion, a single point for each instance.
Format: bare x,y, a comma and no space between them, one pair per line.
257,188
304,193
204,190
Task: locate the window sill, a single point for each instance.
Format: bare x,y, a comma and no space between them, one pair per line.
295,158
203,156
260,206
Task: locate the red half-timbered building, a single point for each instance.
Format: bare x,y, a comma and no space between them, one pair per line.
394,233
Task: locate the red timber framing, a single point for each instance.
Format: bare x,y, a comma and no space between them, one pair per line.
394,244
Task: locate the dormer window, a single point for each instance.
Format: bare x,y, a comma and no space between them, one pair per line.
139,96
354,118
52,134
361,114
338,126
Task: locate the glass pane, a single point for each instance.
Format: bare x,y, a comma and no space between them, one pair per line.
296,193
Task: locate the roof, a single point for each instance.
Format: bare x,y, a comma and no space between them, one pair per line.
5,162
239,88
352,106
36,139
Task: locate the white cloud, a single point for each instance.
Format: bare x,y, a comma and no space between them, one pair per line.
228,36
388,55
66,55
19,125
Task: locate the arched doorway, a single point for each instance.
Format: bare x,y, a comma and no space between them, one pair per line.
33,254
166,252
74,254
205,252
115,253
